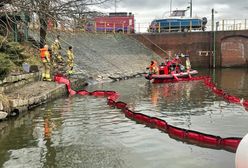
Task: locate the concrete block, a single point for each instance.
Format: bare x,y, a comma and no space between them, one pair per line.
23,102
30,101
3,115
1,106
18,102
14,103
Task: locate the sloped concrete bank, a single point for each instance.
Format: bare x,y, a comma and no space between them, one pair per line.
104,56
98,57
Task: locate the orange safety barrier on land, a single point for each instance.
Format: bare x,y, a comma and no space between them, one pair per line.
184,135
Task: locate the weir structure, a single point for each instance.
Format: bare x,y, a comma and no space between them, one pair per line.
228,49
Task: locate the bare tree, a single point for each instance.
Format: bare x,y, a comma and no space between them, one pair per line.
55,9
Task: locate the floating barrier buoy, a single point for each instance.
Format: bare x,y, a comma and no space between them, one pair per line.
184,135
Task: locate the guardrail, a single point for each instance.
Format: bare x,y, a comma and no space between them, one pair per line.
142,27
183,26
231,24
106,27
179,27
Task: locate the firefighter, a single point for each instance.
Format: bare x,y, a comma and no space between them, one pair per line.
56,47
168,65
45,58
153,68
176,62
187,62
188,65
70,60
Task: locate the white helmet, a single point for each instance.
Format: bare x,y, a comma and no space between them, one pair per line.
46,46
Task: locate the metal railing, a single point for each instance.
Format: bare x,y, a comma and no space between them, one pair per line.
231,24
183,26
139,27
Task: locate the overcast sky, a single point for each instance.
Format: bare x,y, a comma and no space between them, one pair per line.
147,10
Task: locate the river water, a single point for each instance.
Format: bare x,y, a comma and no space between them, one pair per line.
85,132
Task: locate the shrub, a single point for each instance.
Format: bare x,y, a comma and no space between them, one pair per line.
6,65
13,55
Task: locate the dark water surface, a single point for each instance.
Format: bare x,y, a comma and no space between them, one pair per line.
85,132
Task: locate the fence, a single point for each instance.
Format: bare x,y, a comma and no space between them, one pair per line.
112,27
221,25
231,24
142,27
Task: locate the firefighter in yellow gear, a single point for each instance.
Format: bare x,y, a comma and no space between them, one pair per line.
153,68
70,60
45,57
56,47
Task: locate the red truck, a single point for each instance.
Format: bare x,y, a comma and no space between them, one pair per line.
114,22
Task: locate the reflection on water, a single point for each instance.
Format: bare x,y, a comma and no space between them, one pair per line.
233,81
85,132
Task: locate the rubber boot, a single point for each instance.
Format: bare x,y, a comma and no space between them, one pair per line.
43,76
48,76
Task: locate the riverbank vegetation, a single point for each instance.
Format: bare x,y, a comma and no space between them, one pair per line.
13,55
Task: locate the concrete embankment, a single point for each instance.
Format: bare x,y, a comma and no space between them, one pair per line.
97,57
20,93
101,56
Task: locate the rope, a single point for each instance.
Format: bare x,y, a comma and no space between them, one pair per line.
156,45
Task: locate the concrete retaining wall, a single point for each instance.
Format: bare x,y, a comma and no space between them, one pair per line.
12,82
172,43
231,46
23,92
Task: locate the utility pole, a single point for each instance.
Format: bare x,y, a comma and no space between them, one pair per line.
213,43
115,6
212,20
170,6
190,4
